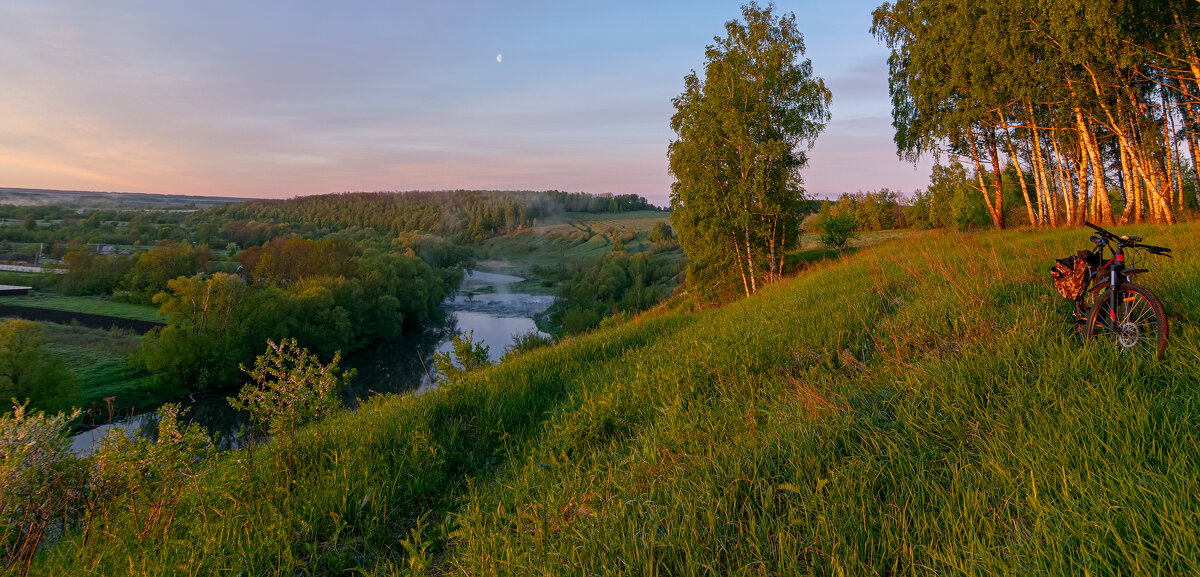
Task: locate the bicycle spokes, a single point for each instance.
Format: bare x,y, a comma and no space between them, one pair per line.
1132,324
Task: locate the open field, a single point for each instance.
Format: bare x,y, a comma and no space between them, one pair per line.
639,221
99,361
85,304
565,242
918,407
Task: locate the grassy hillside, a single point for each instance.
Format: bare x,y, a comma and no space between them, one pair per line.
919,407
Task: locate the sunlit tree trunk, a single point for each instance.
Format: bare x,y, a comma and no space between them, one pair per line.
750,263
1099,187
1064,183
983,189
1012,155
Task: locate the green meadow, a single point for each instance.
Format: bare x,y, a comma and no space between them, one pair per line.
85,304
99,361
916,407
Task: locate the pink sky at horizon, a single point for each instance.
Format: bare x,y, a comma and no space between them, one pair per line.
279,99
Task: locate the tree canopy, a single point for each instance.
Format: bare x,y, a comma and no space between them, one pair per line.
743,130
1093,99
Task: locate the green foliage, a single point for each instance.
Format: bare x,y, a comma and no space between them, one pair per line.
918,404
45,489
291,258
92,274
742,135
618,244
872,211
40,481
661,233
525,342
1088,97
290,387
164,261
145,478
838,230
466,216
951,201
465,357
217,322
206,336
613,283
30,372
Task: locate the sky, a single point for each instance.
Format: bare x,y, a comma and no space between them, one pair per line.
275,99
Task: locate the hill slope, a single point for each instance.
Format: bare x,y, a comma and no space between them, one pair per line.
919,407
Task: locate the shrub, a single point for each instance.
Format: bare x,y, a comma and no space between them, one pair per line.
29,371
147,476
290,387
525,342
466,356
837,230
40,481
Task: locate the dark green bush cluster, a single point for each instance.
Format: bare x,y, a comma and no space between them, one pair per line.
615,282
217,322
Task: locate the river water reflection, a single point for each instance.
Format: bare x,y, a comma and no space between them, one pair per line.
496,315
484,306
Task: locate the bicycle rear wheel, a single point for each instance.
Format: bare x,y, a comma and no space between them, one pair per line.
1136,325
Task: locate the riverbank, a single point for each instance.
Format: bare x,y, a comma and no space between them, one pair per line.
402,365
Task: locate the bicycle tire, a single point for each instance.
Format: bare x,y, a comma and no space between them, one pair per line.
1138,327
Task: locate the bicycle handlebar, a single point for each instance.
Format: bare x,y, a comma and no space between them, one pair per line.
1103,232
1158,250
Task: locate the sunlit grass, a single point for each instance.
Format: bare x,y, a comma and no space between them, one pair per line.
918,407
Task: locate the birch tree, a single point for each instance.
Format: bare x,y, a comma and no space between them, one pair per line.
743,132
1095,101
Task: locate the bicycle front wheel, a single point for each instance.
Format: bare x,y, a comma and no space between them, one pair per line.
1133,322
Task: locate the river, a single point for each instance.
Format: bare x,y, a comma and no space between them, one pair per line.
484,307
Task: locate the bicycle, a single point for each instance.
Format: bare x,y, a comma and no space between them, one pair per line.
1117,309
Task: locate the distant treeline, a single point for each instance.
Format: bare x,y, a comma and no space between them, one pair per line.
1093,100
949,202
461,216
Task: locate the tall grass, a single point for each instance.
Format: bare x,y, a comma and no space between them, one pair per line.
919,407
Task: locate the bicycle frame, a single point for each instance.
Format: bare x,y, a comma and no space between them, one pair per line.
1120,294
1116,265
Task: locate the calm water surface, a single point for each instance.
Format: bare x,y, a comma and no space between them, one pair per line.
398,366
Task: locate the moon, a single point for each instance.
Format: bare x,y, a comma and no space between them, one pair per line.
499,57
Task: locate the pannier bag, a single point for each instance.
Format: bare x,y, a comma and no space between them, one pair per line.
1070,276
